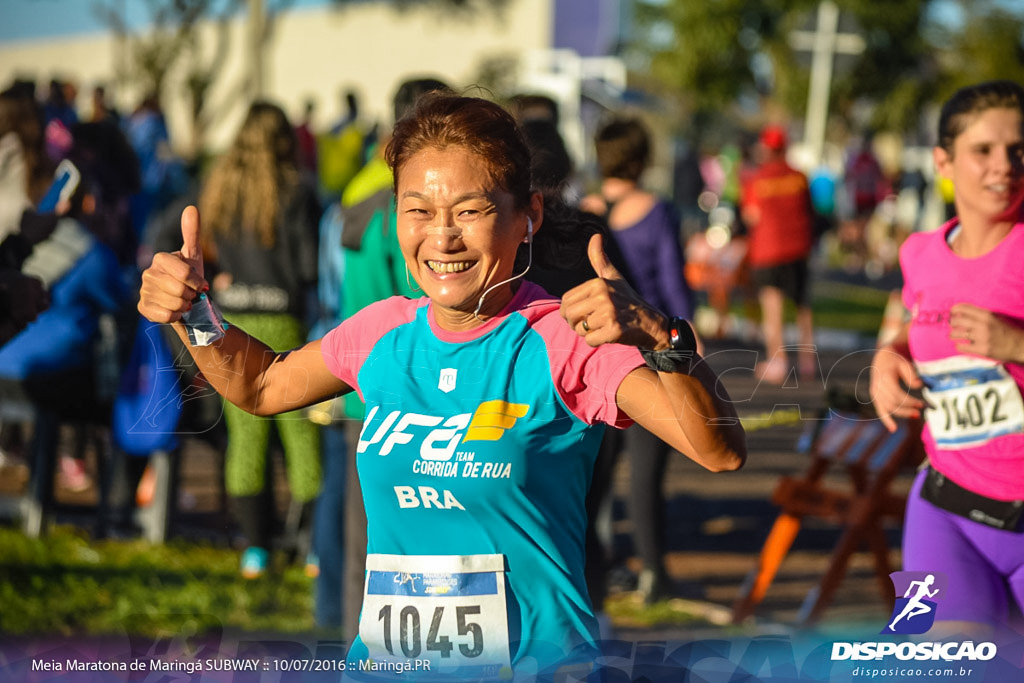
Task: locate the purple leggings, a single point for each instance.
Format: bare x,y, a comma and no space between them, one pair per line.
985,566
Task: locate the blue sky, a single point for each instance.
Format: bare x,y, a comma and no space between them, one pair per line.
30,19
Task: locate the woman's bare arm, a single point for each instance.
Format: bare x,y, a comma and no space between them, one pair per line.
241,368
690,410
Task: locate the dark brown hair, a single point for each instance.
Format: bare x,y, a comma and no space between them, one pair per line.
974,99
21,114
441,120
623,149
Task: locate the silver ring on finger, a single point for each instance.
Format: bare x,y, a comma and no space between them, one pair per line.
586,327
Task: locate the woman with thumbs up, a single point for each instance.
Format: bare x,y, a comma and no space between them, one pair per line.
486,400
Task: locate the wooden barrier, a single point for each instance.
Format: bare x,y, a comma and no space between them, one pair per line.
871,457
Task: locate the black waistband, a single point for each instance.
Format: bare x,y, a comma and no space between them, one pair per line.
943,492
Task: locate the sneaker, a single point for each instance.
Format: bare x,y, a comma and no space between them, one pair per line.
254,562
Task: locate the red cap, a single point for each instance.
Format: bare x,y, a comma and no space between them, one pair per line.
774,137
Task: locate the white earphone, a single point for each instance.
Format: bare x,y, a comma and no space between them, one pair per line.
526,240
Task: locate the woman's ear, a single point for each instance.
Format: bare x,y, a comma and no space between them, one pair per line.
536,215
943,160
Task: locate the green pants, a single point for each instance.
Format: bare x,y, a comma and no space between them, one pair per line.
248,435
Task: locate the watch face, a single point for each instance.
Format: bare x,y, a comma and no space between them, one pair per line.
681,335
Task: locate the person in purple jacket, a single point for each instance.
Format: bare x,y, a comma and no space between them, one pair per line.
647,234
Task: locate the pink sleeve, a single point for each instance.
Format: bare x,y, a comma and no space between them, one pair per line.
346,347
588,378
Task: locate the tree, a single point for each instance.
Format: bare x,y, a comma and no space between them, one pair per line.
719,50
727,50
989,45
170,40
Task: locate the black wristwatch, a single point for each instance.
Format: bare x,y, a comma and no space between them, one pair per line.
681,351
680,335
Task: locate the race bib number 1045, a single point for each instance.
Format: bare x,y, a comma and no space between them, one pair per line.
448,609
971,401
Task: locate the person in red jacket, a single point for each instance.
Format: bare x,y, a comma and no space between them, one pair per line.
776,206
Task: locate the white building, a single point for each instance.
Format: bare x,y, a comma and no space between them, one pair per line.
317,50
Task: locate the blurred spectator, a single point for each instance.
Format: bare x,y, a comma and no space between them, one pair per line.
350,115
25,173
58,106
776,206
864,180
687,186
646,231
261,219
307,139
712,172
51,364
101,109
22,299
864,188
327,562
823,194
59,116
341,151
163,173
25,169
532,107
551,171
102,151
550,164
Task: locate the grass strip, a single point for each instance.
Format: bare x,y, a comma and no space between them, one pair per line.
67,584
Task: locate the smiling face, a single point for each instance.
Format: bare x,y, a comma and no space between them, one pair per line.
459,232
986,165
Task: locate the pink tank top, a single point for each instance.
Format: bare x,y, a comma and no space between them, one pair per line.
975,425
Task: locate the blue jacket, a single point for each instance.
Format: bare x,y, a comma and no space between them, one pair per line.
62,337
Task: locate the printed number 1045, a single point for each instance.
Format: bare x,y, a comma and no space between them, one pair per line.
410,631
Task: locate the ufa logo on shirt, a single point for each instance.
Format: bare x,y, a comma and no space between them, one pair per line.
914,612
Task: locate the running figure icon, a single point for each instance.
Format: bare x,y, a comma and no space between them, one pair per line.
915,606
402,578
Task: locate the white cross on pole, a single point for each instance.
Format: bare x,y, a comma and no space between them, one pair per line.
823,43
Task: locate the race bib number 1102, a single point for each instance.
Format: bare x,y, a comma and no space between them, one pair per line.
444,608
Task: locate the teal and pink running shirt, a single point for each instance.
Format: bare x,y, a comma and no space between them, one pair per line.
475,458
974,430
